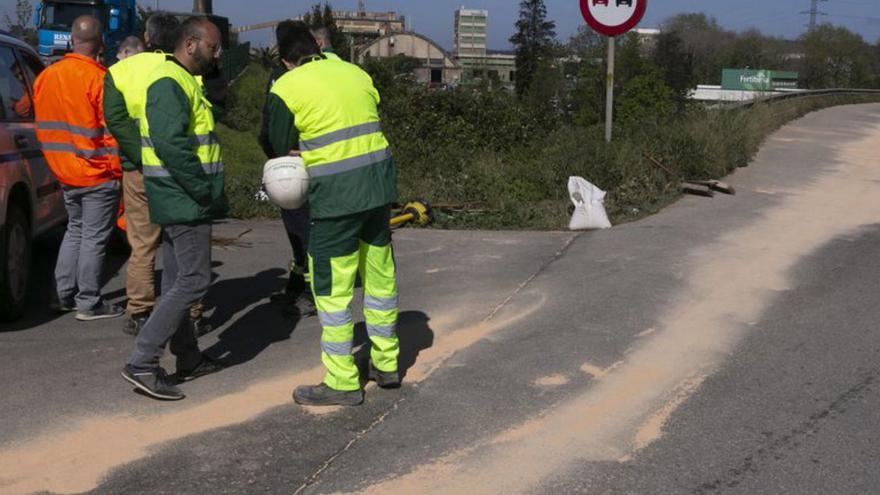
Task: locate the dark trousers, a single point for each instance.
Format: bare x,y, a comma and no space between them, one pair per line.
296,224
186,275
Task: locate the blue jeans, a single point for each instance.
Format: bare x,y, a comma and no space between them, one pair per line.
91,213
186,275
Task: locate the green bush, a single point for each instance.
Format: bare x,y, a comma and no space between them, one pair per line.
244,103
512,159
243,159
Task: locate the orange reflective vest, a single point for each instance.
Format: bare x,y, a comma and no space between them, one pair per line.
68,103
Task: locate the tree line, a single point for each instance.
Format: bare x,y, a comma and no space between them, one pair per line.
655,74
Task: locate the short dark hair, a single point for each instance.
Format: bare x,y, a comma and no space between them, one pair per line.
297,43
161,28
283,29
192,27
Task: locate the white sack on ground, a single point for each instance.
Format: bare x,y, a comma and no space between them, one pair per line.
589,205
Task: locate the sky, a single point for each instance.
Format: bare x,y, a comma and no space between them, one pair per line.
433,18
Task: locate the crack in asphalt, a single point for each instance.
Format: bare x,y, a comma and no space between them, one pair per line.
313,478
811,426
556,257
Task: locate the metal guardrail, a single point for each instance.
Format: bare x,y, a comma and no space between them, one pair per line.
805,94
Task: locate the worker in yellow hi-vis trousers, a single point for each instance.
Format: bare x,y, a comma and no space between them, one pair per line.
327,109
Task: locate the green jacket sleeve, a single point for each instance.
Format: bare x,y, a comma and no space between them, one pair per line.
168,115
283,135
121,125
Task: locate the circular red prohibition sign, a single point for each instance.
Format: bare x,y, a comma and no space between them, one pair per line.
617,29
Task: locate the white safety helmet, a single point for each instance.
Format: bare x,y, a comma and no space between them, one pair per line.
286,182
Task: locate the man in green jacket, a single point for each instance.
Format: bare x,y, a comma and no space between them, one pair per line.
327,109
183,175
124,105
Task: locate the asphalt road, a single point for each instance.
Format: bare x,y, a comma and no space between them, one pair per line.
724,345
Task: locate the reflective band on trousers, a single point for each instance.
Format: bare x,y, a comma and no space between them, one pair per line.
73,129
87,154
349,164
159,171
340,135
202,140
336,348
336,319
380,303
380,330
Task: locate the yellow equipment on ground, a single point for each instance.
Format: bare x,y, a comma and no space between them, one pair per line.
418,212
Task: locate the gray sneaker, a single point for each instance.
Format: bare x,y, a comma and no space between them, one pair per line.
322,395
153,383
102,312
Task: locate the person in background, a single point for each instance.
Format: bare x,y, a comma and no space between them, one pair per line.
130,46
296,222
68,102
322,37
183,174
328,109
124,105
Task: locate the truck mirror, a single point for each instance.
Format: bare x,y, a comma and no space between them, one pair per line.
37,11
114,19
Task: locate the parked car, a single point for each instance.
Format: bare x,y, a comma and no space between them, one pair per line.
30,197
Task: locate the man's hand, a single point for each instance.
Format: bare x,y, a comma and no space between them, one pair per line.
294,153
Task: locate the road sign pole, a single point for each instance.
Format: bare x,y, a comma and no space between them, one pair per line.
609,91
612,18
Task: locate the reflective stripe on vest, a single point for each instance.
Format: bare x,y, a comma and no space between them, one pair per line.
339,126
82,153
160,171
73,129
340,135
203,140
201,128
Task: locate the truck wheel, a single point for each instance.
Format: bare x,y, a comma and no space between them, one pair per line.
15,263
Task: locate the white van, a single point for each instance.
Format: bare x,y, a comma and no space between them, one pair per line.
30,197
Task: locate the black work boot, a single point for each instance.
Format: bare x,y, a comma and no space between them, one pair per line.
134,324
322,395
153,383
302,307
201,326
384,379
296,285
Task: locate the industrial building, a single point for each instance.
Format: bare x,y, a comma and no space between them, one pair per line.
438,67
477,62
369,24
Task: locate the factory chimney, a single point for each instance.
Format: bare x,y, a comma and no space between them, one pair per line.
203,6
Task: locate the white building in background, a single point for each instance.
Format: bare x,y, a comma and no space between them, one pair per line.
471,29
470,32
